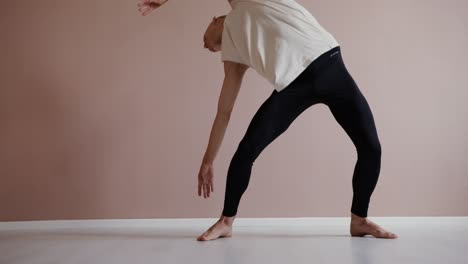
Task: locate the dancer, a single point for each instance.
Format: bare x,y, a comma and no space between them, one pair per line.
284,43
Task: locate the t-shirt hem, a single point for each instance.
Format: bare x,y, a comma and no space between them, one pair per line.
298,73
293,77
231,60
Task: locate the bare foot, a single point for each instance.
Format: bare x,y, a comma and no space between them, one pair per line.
361,226
222,228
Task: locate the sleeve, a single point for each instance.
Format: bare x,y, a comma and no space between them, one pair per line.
229,52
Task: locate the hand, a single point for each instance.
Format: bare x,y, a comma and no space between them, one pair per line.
205,180
146,6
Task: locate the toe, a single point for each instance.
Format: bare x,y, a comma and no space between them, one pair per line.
385,234
202,237
379,233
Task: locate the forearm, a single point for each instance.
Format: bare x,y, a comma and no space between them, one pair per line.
216,137
217,133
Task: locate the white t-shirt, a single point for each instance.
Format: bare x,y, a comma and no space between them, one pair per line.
277,38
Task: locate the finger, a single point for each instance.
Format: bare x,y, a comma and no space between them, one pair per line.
144,4
206,190
146,12
143,9
200,186
199,190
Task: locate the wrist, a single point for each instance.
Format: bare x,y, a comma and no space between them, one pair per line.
207,162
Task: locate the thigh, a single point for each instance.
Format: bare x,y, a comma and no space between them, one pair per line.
352,111
275,116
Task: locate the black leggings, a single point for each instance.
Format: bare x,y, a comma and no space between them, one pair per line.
326,80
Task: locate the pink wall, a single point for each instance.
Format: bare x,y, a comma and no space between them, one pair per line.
106,114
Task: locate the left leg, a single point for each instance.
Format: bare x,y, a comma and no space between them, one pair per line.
351,110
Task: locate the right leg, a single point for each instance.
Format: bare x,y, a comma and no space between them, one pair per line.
273,117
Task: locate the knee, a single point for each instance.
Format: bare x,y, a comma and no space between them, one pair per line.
246,151
371,149
377,150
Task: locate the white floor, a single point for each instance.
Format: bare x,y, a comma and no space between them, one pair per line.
421,240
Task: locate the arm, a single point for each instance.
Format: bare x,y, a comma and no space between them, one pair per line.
234,73
146,6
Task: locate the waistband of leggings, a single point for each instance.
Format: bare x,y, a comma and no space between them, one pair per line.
323,59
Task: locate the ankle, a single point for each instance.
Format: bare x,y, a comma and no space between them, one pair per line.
228,220
358,219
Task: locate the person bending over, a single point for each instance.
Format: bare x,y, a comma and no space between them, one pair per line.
284,43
